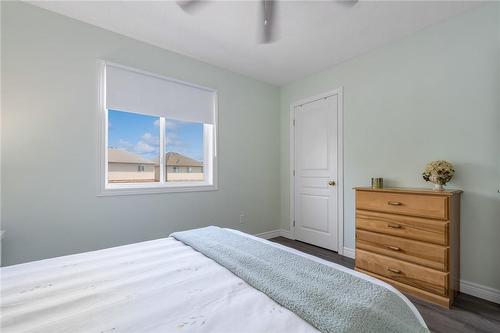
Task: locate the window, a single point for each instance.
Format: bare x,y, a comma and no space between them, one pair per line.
184,147
158,134
133,147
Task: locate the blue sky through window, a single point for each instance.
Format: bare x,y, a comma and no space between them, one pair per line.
140,134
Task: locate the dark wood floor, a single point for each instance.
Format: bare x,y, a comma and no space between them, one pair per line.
468,313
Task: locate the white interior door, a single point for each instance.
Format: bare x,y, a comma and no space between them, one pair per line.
316,170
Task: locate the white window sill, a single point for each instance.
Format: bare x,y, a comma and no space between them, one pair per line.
126,189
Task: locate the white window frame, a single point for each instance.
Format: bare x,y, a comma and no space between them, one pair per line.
210,182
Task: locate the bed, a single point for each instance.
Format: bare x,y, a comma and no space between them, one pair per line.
162,285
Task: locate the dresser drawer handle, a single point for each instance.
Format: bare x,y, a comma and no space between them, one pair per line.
397,271
394,248
395,226
394,203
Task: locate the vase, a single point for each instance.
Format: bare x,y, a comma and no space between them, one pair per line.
438,187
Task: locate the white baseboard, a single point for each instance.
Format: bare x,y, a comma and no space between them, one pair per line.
348,252
275,233
269,234
474,289
286,234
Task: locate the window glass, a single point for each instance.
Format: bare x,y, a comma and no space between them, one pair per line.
133,147
184,151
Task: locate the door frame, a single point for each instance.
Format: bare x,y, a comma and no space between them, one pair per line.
340,161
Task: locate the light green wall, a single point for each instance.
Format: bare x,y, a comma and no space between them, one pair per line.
432,95
49,143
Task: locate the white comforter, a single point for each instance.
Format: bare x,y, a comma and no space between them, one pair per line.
156,286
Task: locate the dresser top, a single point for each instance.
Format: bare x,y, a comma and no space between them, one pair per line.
427,191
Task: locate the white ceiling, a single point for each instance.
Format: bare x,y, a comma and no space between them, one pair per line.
314,35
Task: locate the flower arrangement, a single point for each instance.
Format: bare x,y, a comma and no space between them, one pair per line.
438,172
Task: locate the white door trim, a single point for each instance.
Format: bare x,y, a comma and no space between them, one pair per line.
340,161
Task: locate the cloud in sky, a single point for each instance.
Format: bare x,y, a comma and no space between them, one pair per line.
172,139
169,124
143,148
124,144
150,139
148,146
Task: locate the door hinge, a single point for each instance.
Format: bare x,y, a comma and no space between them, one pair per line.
294,122
293,172
294,223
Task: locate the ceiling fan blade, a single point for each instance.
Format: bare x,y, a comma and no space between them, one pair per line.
267,25
347,3
189,5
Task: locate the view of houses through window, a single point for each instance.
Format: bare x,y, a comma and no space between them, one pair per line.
134,149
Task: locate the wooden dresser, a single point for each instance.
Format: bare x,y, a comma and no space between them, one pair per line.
410,239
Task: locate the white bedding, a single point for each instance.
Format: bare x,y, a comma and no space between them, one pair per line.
156,286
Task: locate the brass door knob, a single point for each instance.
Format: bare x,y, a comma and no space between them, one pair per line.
331,183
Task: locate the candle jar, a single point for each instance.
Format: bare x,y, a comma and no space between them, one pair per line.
377,182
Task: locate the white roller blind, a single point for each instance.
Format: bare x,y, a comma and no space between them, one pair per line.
134,91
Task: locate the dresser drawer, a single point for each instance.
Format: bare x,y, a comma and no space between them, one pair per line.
410,274
425,254
433,231
430,206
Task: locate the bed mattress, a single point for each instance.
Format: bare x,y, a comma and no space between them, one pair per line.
155,286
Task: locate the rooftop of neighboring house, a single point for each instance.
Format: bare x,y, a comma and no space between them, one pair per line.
122,156
176,159
116,155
